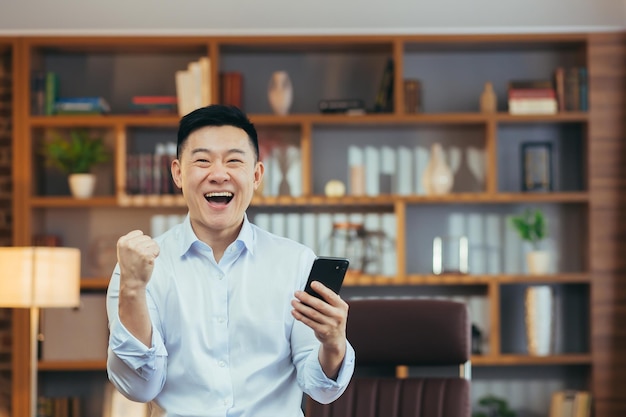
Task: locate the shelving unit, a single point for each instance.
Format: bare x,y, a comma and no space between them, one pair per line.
453,70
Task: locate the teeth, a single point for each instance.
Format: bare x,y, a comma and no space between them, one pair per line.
220,194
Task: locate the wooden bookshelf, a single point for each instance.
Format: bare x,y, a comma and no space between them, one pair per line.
587,204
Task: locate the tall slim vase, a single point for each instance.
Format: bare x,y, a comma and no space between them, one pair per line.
280,92
539,317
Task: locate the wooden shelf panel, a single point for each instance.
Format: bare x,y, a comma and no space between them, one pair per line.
354,279
97,283
147,120
520,359
286,201
68,202
477,360
90,365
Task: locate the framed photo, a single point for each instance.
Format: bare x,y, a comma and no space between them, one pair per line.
537,166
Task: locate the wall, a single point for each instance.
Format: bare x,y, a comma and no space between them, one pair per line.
321,16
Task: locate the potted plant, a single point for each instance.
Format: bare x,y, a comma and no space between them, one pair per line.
75,156
532,227
492,406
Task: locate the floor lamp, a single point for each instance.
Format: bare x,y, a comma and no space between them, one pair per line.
34,278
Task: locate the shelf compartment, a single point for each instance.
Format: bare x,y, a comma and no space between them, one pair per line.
116,69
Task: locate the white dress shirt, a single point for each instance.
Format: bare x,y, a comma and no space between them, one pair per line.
224,342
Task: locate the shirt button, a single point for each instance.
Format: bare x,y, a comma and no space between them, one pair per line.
225,401
221,320
221,364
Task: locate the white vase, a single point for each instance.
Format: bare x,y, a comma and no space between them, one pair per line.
437,177
82,185
280,92
538,262
539,307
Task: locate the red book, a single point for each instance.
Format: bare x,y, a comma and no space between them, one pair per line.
154,100
519,93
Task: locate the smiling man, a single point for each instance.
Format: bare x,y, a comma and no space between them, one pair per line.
209,319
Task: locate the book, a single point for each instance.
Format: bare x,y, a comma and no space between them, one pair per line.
340,106
412,96
521,93
384,98
559,86
533,106
52,91
231,88
530,84
81,105
38,93
570,403
154,100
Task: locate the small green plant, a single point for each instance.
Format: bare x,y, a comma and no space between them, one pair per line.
531,226
492,406
76,154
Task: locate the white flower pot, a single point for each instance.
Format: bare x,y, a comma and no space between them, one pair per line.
538,262
82,185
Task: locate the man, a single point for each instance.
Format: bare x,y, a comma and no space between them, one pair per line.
209,319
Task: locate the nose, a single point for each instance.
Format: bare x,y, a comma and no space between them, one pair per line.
218,173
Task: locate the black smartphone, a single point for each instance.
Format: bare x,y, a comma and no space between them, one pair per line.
329,271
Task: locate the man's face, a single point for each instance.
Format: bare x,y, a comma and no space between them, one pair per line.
218,174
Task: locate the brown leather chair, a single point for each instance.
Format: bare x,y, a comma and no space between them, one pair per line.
397,333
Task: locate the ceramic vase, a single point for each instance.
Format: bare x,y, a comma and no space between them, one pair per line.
82,185
488,100
539,307
280,92
437,177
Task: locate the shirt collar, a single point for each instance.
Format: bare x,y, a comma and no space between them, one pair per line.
188,237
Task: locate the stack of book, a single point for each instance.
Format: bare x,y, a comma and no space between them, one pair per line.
154,104
193,86
532,97
58,407
81,105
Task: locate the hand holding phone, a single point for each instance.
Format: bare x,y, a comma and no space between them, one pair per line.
329,271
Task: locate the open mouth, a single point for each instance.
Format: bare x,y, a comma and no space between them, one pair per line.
222,197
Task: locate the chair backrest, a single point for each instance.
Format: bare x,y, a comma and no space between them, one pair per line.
405,332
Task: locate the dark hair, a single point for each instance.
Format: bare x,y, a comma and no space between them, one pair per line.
216,115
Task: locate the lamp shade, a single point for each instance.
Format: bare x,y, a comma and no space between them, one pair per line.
39,277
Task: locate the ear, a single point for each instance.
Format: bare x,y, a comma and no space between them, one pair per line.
177,173
259,170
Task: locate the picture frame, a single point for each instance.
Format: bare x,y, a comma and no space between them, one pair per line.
536,163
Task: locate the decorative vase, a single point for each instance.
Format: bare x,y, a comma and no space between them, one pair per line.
538,262
82,185
280,92
539,307
437,177
488,100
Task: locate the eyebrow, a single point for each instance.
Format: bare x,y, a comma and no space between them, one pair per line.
232,150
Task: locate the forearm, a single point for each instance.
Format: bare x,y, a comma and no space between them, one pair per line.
331,358
133,312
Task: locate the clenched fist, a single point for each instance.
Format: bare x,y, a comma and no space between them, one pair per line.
136,253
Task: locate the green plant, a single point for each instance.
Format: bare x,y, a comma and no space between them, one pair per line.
494,407
531,226
76,154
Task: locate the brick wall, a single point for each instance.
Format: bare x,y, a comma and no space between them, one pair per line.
5,221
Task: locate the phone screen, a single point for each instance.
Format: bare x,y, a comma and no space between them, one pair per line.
329,271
